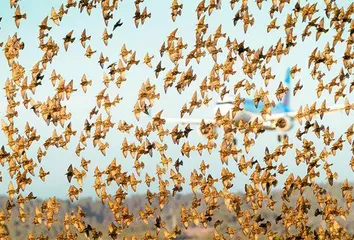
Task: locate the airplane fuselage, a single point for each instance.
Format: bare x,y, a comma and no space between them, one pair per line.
250,112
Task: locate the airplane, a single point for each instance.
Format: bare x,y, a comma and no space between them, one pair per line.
281,118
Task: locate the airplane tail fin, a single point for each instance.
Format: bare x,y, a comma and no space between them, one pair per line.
286,99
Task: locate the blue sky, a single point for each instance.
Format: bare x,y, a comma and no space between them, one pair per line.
148,38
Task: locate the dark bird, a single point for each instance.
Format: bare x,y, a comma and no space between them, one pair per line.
117,24
39,76
70,173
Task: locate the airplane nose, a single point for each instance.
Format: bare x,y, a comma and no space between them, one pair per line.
242,115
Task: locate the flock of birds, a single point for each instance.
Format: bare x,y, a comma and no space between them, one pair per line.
263,175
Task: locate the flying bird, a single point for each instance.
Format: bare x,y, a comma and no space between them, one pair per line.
117,24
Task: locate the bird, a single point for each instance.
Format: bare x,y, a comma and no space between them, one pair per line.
89,52
106,36
18,16
119,23
68,39
70,173
84,38
85,83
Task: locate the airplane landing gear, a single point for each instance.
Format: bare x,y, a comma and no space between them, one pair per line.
281,137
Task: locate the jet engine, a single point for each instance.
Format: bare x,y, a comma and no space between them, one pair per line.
283,124
206,130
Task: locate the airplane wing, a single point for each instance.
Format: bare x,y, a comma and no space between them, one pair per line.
192,121
294,115
270,122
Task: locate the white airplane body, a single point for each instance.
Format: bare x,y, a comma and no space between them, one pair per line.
281,118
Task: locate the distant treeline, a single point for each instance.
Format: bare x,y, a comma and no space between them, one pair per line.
99,216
